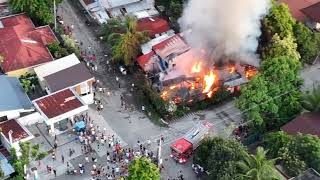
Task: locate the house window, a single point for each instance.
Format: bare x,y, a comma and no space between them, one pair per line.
123,11
109,14
84,88
3,118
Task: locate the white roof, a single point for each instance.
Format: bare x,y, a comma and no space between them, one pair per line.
141,14
56,65
147,47
101,16
116,3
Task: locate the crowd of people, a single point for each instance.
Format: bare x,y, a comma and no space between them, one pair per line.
114,164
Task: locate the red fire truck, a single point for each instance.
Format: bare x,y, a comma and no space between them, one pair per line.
183,148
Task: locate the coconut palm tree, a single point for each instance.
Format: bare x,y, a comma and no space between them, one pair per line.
257,167
126,45
311,100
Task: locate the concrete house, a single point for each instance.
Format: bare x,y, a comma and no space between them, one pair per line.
313,16
102,10
22,45
64,73
13,100
59,107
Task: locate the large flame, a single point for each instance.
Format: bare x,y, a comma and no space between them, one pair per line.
232,69
208,81
173,87
196,68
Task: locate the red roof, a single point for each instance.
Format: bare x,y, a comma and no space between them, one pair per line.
87,2
18,132
296,6
23,45
181,145
307,123
58,103
174,44
154,25
144,59
313,12
162,44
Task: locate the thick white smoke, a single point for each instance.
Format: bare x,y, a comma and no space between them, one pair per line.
226,29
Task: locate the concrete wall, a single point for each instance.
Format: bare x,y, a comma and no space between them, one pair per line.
88,99
11,114
5,142
20,72
31,119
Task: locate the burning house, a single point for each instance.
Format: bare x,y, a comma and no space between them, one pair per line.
182,74
217,49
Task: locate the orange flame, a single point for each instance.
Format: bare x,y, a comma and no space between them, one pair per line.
164,94
192,86
209,94
196,68
232,69
250,73
208,81
173,87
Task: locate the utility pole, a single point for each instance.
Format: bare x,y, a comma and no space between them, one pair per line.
55,15
159,153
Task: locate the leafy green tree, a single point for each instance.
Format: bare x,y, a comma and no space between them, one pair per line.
258,167
113,25
292,164
126,47
308,42
70,45
311,100
279,20
281,47
27,151
256,102
172,9
176,8
272,97
307,147
297,153
143,169
40,10
275,141
29,6
154,99
218,156
26,85
57,50
282,75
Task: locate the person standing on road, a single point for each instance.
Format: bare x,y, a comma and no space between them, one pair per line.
55,173
62,158
87,159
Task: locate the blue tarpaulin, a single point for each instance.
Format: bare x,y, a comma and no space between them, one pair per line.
80,125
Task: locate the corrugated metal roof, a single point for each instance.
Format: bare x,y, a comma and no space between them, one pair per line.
68,77
56,65
58,103
313,12
307,123
22,44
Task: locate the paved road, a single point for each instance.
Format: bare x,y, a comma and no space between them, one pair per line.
311,76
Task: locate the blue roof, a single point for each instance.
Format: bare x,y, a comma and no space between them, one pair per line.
12,95
5,166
